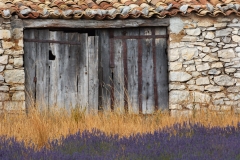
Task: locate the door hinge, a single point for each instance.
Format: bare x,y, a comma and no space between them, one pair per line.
35,79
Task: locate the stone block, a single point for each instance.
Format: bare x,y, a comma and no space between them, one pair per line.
203,67
195,87
3,59
179,76
214,72
178,97
193,32
18,88
19,95
223,32
212,88
4,88
189,53
4,96
236,38
209,58
217,65
218,95
200,97
18,62
175,66
7,45
14,76
14,105
5,34
205,24
202,81
226,53
224,80
175,106
233,89
210,35
173,54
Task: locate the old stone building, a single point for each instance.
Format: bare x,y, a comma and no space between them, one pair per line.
201,40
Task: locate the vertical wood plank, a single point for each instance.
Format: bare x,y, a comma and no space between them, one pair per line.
132,60
54,73
147,73
118,73
42,70
106,72
70,74
30,67
162,69
83,72
93,83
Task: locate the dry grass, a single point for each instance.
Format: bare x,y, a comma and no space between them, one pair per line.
38,127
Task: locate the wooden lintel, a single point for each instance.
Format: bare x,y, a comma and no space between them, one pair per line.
56,23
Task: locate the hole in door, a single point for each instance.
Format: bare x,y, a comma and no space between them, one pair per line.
51,56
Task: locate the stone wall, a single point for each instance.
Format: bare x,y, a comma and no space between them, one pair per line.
204,64
12,95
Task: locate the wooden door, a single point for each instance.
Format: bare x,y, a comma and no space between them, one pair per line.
133,69
61,69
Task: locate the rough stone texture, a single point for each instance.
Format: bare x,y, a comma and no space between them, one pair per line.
14,76
4,59
179,76
214,65
173,55
18,96
175,66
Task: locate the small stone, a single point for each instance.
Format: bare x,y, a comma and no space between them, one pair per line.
208,58
205,24
191,82
209,35
230,45
176,87
5,34
4,88
17,88
179,76
199,44
200,97
173,55
202,81
214,49
195,87
7,45
17,33
201,55
225,60
223,32
237,75
191,68
14,105
217,65
226,39
198,61
189,62
220,25
189,106
195,74
18,96
218,102
206,49
216,39
18,62
175,106
2,68
237,49
177,97
226,53
193,32
211,29
235,20
189,53
212,88
218,95
9,67
212,44
203,67
230,70
4,96
189,39
236,38
233,89
14,76
235,31
4,59
214,72
224,80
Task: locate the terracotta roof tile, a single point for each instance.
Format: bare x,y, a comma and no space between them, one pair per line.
111,9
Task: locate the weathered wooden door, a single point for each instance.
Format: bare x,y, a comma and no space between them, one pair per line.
61,69
133,69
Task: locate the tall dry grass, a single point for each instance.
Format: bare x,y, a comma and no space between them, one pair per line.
40,126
